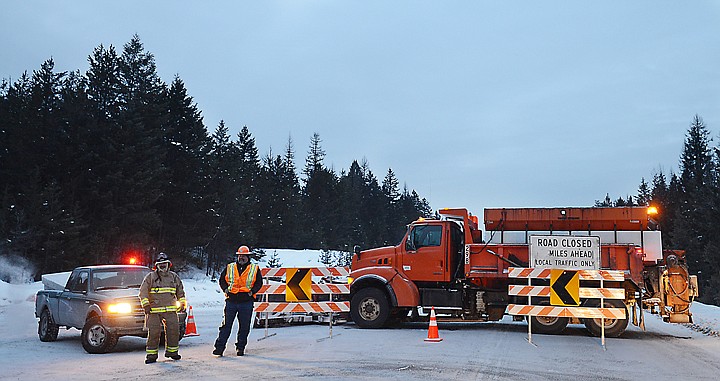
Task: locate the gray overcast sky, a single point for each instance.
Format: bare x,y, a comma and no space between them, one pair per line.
472,103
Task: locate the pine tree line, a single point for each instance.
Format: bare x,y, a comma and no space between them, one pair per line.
114,162
689,206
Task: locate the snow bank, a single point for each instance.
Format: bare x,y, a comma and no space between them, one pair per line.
295,258
706,319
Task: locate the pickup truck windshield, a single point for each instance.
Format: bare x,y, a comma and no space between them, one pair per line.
121,278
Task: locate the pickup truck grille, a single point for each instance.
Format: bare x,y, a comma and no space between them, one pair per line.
138,310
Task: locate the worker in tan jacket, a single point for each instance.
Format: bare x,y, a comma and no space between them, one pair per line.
162,296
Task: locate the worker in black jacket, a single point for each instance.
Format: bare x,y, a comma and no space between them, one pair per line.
240,281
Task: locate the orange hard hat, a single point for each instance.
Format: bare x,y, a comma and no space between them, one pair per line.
243,250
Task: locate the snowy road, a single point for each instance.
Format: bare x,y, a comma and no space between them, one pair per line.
480,351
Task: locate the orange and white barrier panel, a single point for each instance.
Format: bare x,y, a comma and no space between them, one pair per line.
316,289
607,275
287,307
316,271
597,293
576,312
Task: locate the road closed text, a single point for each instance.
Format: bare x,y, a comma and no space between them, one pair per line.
564,252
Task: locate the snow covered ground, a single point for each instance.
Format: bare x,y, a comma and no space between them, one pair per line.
494,350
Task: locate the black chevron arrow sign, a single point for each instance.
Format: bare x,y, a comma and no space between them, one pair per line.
297,287
564,288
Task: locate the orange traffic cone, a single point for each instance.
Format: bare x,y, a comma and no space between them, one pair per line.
433,329
190,328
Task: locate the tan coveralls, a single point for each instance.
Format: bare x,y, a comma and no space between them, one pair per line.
161,291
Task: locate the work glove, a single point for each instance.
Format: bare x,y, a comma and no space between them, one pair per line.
182,307
147,309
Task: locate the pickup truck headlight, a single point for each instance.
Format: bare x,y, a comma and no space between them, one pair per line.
120,308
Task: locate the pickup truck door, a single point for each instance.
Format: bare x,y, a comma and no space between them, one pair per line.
425,256
73,301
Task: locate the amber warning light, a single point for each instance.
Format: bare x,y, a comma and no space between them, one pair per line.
651,211
132,260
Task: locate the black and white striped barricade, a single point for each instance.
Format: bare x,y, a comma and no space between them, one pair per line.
301,294
565,295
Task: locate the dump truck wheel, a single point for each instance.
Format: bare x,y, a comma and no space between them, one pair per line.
370,308
613,327
548,325
47,329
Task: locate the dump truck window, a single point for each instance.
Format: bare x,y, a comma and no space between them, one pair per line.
428,235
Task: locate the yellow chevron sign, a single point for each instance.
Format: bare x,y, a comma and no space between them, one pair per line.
298,282
564,287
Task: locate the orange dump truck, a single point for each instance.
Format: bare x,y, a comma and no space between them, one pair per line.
601,267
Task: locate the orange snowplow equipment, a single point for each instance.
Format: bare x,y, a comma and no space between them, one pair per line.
567,219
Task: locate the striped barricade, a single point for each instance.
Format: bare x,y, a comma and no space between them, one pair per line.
301,295
601,293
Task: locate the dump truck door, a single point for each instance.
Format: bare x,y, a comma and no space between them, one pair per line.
425,256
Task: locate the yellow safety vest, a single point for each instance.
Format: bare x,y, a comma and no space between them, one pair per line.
240,283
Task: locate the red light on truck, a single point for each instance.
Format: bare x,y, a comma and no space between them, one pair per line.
132,260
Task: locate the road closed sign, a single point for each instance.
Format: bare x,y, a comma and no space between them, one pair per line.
564,252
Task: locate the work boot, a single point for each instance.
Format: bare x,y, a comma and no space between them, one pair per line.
217,352
150,359
241,352
173,355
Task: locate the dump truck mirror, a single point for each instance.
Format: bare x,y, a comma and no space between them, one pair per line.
410,244
356,250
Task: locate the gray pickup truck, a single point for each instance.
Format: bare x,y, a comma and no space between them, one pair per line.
102,301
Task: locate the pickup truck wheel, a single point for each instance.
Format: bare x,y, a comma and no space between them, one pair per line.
47,329
370,308
96,338
613,327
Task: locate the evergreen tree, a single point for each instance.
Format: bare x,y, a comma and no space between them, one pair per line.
326,257
644,195
186,202
224,241
690,229
315,157
391,213
103,79
607,202
246,173
274,260
320,201
280,201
